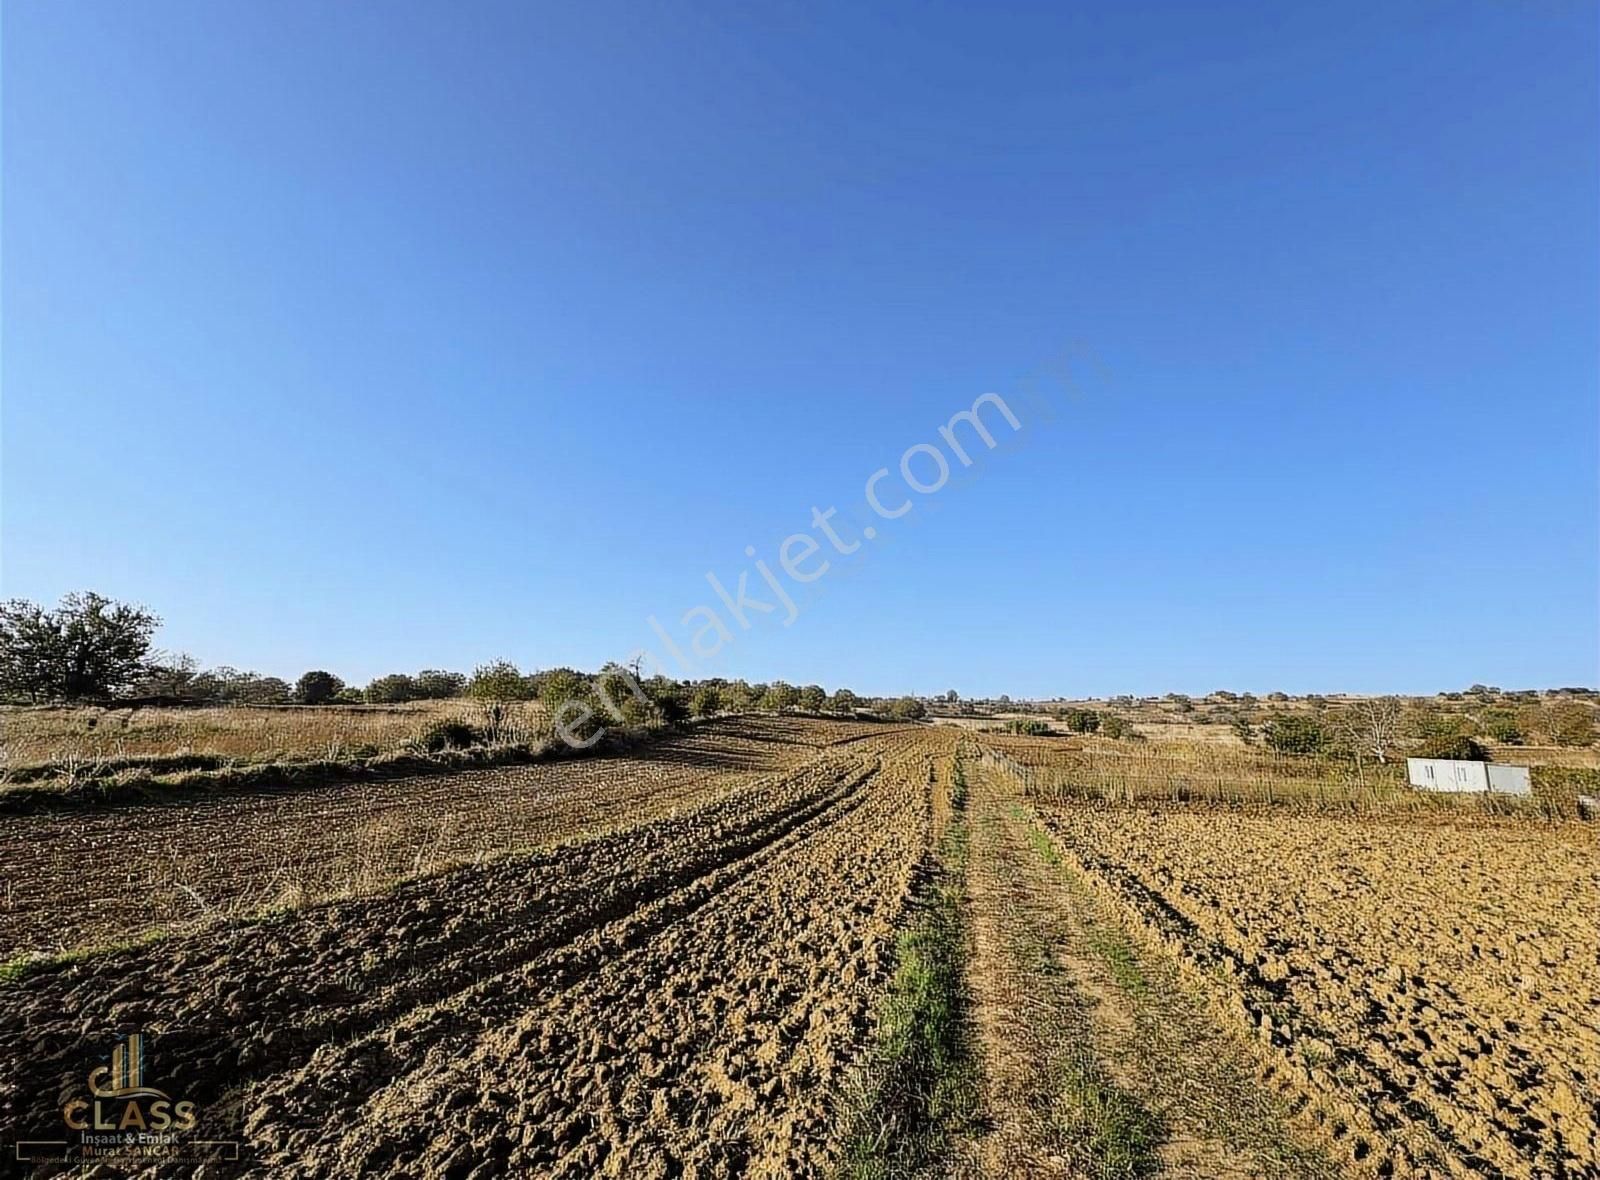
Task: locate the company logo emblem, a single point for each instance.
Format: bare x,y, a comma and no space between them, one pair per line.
122,1109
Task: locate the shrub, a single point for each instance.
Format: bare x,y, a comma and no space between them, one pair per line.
1501,725
1112,726
1293,733
1569,724
449,735
813,698
1081,720
1458,746
1028,726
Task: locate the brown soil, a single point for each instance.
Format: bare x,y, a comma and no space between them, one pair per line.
109,876
680,998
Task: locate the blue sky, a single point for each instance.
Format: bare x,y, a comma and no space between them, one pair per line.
377,336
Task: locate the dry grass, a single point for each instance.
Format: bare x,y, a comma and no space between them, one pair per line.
81,736
1104,770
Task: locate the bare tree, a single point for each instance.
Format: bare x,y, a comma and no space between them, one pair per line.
1371,725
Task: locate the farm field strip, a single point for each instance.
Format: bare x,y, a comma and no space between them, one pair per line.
109,876
691,986
1096,1061
1427,985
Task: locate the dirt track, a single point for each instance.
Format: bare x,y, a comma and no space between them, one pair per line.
684,995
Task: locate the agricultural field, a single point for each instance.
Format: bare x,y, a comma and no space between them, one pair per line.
792,946
79,737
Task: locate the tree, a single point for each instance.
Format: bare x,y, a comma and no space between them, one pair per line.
1371,726
88,647
1112,726
780,696
1080,720
907,709
164,675
812,698
501,681
951,697
706,702
264,690
317,688
1501,725
434,685
393,689
844,701
1294,733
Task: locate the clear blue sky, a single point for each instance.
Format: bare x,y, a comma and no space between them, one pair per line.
377,336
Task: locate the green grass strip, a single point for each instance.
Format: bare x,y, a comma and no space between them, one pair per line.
920,1087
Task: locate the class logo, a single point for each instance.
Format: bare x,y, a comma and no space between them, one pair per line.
121,1110
124,1116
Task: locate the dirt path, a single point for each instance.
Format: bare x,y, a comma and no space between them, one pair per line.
1096,1061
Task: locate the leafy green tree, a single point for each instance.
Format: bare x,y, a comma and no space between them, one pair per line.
89,647
433,685
813,697
844,701
706,701
1294,733
780,696
1113,726
907,709
393,689
737,697
317,688
501,681
1080,720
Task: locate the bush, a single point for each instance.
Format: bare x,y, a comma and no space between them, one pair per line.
1501,725
813,698
1456,746
1569,724
1028,726
1293,733
1112,726
449,735
1081,720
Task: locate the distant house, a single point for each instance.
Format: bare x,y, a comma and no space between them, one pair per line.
1449,774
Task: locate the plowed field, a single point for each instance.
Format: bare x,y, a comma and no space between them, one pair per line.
107,876
1430,985
681,996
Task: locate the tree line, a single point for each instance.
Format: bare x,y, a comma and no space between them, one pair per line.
93,649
